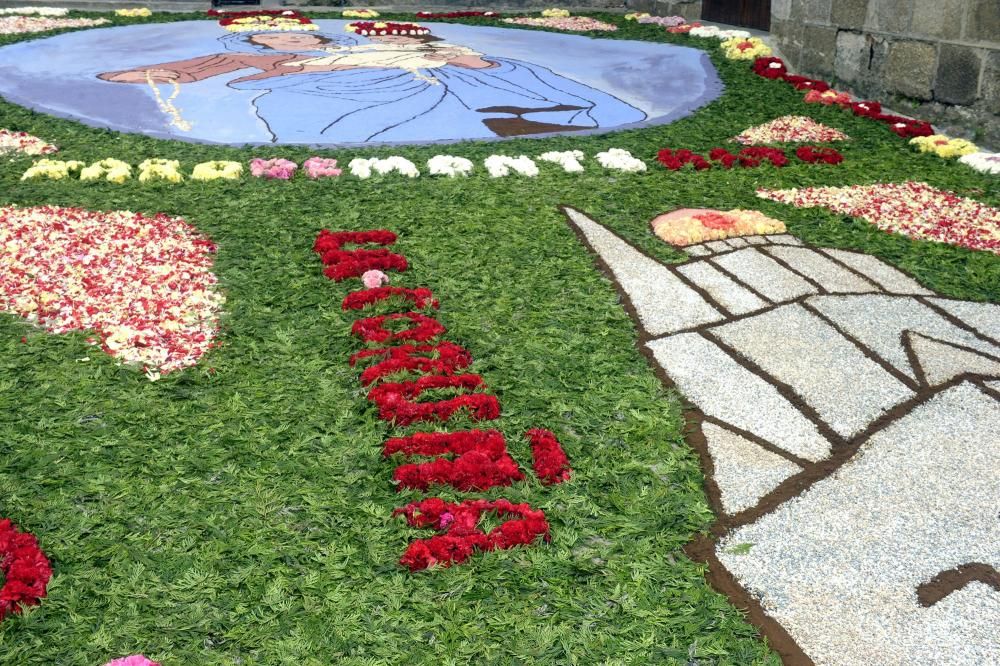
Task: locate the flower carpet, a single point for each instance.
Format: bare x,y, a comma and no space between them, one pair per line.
722,389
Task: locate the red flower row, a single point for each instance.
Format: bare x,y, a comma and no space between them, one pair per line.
462,537
372,329
397,401
342,264
482,460
422,297
750,157
445,358
774,68
26,570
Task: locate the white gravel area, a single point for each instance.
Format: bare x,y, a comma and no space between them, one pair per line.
736,298
737,242
995,385
839,566
663,302
724,389
879,272
717,246
697,250
818,267
941,362
744,471
756,240
784,239
846,388
878,322
984,317
764,275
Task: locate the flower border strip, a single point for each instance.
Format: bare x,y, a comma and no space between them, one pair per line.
481,460
446,358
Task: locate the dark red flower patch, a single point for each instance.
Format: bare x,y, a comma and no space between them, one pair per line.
866,109
676,159
342,264
421,297
804,83
397,403
26,570
770,68
813,154
550,461
755,155
906,127
372,329
724,157
462,536
442,359
481,461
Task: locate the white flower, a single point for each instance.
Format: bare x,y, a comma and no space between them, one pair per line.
362,168
569,160
449,165
501,165
982,161
620,160
713,31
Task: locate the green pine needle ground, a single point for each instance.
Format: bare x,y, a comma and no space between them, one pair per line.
239,512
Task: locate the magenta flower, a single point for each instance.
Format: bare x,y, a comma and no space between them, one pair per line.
321,167
134,660
276,169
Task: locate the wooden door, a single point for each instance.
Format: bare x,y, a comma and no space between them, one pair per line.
744,13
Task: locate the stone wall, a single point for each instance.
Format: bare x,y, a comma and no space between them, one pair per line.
934,59
689,9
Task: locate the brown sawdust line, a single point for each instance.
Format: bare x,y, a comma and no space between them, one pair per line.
759,441
732,276
702,548
911,354
701,291
952,580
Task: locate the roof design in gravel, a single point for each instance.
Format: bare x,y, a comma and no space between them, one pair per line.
847,421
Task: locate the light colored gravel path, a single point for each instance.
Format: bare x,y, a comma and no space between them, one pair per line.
879,272
878,322
829,275
722,388
845,387
764,275
744,471
984,317
941,363
736,298
838,566
663,302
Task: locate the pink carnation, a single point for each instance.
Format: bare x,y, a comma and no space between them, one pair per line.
276,169
374,279
321,167
134,660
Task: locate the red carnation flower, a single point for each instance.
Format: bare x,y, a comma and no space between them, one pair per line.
397,401
372,329
26,570
813,154
770,68
445,358
550,461
421,297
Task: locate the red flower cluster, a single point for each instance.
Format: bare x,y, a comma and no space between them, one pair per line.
676,159
421,297
372,329
441,15
397,403
482,460
813,154
774,68
462,536
750,157
26,570
446,358
550,461
342,264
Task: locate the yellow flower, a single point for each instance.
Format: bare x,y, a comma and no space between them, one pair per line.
944,146
160,169
109,169
217,169
749,48
635,16
53,169
139,11
555,13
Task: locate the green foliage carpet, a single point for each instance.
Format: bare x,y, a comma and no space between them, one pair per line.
239,512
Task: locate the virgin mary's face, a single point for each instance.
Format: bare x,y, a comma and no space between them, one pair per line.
289,41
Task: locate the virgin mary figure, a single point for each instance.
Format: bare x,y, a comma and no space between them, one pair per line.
403,87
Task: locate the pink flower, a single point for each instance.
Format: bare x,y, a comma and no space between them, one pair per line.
321,167
134,660
374,279
276,169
